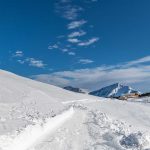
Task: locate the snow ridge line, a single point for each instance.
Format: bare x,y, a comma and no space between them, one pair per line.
33,134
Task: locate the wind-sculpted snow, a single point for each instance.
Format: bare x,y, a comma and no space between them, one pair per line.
32,134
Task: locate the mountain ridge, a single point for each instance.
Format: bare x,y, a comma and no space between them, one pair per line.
114,90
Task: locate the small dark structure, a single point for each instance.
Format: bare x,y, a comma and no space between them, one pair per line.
145,94
74,89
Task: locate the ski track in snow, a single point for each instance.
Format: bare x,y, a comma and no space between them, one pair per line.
94,130
79,128
34,134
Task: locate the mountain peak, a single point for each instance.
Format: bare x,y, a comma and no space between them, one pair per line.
114,90
116,85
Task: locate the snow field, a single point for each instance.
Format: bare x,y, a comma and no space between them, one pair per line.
113,134
31,118
33,134
90,129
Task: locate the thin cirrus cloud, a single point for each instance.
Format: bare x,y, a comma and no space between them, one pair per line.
18,54
64,50
21,59
35,63
76,34
68,10
71,53
73,40
85,61
73,12
76,24
94,78
139,61
55,46
89,42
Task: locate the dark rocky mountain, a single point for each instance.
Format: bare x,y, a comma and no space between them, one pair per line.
74,89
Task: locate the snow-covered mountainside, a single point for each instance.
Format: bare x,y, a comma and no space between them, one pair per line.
114,90
21,98
37,116
74,89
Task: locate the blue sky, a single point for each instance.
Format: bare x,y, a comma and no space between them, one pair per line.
85,43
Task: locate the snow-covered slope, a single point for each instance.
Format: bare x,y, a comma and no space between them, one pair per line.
114,90
14,88
37,116
22,98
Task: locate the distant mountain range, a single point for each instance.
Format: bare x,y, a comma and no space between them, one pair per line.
114,90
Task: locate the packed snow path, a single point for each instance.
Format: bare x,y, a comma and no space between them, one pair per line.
33,134
79,128
93,130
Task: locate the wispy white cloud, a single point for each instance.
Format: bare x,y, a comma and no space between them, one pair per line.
68,51
75,40
35,63
139,61
52,79
77,34
22,59
71,53
76,24
55,46
85,61
18,54
89,42
65,1
67,9
95,78
64,50
72,11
